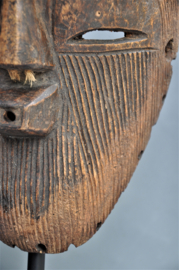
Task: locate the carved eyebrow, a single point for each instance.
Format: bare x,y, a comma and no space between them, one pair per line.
81,38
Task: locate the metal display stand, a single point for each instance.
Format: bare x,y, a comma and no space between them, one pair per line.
36,261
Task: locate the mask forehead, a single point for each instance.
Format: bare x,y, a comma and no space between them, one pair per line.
139,18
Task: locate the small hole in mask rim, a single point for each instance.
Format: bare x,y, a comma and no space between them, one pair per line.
163,98
41,248
140,155
98,226
169,48
98,13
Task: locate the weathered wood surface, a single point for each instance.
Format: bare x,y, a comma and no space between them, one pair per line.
58,189
29,113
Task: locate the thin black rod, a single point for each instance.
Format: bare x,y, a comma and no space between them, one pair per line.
36,261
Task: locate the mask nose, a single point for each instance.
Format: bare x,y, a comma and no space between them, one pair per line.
23,43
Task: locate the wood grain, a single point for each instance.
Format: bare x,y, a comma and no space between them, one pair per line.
58,189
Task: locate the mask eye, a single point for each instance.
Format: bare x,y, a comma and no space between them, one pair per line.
101,35
104,40
106,36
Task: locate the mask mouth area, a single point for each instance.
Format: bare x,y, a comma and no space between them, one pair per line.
29,113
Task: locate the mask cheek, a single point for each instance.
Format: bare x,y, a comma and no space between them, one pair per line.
71,179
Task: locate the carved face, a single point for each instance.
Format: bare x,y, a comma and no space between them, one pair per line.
70,144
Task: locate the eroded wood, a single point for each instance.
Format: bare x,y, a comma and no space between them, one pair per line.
58,190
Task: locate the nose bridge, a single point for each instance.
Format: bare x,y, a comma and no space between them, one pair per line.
23,42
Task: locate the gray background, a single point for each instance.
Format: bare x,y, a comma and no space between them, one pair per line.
142,230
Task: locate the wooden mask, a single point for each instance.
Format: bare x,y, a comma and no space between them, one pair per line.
71,141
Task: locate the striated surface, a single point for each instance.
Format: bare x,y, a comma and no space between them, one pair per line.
58,190
65,185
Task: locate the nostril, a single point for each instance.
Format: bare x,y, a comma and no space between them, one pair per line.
9,116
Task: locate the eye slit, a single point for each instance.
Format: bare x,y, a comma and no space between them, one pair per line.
101,35
106,36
